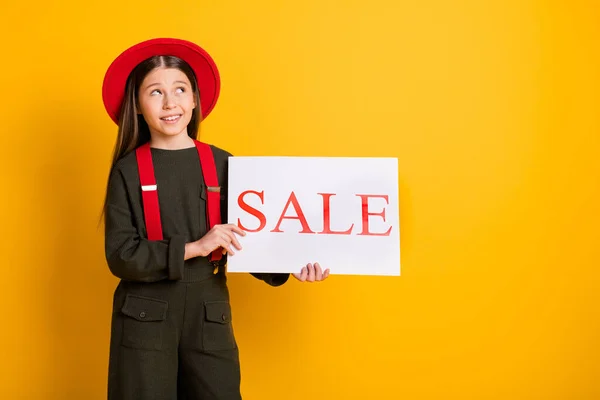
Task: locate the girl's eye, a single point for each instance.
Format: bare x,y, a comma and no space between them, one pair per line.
180,90
154,91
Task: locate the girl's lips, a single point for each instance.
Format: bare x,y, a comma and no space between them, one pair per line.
171,119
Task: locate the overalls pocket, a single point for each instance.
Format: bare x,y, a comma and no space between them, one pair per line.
217,332
144,322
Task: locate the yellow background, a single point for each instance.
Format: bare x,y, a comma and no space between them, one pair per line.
492,108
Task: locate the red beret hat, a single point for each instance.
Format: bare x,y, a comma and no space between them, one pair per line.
207,75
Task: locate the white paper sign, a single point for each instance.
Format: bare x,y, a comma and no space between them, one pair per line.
340,212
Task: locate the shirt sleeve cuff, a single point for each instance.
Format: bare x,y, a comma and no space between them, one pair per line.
274,279
176,255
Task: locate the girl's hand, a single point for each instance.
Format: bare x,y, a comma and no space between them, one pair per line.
312,273
220,236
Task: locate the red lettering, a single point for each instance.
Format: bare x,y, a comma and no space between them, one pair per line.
299,215
252,211
327,219
366,214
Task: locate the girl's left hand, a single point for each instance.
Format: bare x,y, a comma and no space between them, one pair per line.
312,273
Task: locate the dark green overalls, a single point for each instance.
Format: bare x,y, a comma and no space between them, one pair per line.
172,336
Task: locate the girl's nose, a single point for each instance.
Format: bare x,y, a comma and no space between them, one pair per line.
168,103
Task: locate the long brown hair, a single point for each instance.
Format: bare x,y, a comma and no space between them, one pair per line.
133,129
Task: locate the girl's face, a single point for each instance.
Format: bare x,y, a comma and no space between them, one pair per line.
166,101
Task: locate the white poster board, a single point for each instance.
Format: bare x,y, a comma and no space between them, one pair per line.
340,212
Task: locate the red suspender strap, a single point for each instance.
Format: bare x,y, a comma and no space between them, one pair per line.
213,190
149,192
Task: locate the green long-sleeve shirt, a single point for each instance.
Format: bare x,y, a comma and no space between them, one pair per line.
182,199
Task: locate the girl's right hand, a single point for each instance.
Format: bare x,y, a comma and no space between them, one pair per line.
220,236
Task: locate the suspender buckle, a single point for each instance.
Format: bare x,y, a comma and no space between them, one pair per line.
216,189
148,188
216,267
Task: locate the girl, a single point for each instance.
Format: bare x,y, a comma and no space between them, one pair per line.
172,336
